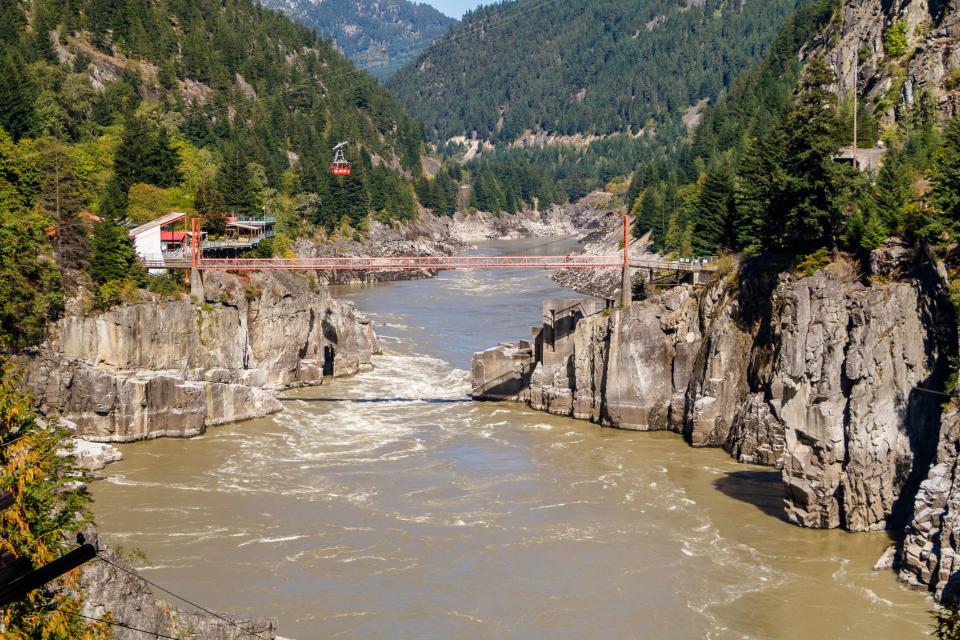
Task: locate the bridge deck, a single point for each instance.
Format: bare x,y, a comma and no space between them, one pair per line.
388,263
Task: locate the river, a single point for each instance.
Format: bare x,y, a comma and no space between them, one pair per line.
390,506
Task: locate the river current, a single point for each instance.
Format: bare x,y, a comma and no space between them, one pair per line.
389,505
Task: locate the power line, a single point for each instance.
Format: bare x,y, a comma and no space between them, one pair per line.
117,624
179,597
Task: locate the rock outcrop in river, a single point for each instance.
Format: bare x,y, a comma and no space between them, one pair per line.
836,382
175,367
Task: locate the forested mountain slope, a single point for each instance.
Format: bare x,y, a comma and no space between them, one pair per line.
379,36
134,108
583,66
761,175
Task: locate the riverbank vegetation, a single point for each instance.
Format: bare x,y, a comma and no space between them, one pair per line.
49,508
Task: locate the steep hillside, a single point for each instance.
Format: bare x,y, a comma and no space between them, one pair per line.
132,109
583,66
761,173
379,36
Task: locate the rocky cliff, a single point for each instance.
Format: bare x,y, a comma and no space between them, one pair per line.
835,379
857,46
175,367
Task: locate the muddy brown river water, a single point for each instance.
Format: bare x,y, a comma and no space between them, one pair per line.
391,506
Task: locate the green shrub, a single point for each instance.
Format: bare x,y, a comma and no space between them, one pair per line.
114,292
813,262
895,40
167,284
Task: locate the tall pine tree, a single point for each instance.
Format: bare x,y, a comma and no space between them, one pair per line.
235,183
17,98
811,213
714,213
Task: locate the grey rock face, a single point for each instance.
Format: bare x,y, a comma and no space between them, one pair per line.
174,368
131,602
930,554
822,376
933,52
757,436
849,363
718,385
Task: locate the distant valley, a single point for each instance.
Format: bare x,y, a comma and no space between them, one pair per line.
379,36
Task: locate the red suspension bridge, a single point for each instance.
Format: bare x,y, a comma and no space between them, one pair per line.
195,260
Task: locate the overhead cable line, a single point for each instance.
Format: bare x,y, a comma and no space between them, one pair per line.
179,597
117,624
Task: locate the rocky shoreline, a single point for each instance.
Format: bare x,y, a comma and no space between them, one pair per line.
834,379
176,367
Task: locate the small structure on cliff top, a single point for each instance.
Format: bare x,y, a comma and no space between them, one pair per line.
168,238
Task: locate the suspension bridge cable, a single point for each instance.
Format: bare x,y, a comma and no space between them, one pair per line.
179,597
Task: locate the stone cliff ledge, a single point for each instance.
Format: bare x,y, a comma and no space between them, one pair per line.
176,367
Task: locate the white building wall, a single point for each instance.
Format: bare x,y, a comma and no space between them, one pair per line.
148,246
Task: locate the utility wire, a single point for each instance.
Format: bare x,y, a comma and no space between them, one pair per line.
117,624
179,597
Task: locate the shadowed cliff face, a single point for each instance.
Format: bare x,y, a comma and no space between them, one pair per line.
174,368
829,379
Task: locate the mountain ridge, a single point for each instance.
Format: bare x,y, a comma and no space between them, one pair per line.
584,67
379,36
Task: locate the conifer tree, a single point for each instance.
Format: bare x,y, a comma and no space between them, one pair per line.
714,212
17,98
946,173
43,23
648,214
12,22
210,205
235,183
761,181
113,257
892,191
163,168
132,162
812,217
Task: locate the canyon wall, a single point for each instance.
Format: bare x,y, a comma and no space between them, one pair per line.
836,380
175,367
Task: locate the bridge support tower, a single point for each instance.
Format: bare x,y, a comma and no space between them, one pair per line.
196,285
626,278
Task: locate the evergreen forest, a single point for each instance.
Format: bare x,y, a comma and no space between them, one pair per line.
582,66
